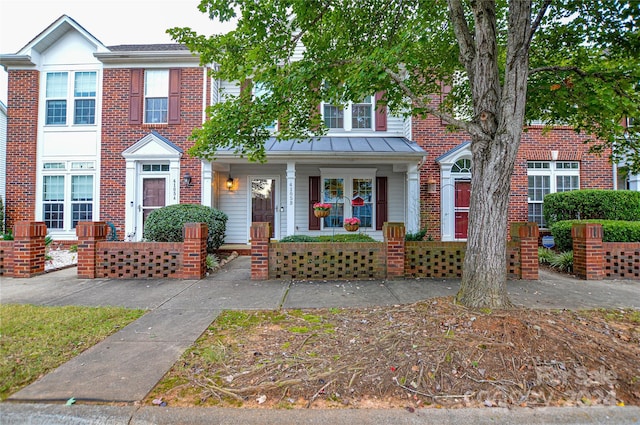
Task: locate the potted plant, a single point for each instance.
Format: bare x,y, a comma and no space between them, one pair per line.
351,224
321,209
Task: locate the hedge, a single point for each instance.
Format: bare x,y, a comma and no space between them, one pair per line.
612,231
590,204
340,237
166,224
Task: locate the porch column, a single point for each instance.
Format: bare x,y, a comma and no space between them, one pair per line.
206,197
291,198
130,207
413,199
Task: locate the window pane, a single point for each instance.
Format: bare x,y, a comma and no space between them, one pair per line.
56,84
81,212
156,83
156,110
333,193
85,84
82,188
363,189
567,183
85,111
535,214
56,112
538,187
54,215
361,116
53,188
333,116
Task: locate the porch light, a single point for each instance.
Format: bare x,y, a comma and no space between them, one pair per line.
187,179
229,183
431,186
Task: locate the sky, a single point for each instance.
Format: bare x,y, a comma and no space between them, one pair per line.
112,22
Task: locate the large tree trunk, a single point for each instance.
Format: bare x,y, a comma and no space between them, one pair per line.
499,115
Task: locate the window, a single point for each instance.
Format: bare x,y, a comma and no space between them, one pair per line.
63,190
84,97
155,167
56,93
549,177
336,185
156,96
259,90
84,94
354,116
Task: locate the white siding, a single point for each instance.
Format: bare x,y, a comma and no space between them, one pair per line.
236,203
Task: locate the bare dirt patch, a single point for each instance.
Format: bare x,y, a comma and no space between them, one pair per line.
428,354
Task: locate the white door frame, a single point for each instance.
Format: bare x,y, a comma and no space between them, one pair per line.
277,206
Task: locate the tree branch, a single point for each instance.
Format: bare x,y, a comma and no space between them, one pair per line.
536,23
463,125
463,34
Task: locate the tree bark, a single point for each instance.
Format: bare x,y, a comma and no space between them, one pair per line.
499,111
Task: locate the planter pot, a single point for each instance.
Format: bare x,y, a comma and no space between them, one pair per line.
351,227
321,213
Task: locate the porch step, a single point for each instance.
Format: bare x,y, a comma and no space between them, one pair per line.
241,249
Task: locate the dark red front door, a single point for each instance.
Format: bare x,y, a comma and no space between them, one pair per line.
463,197
263,201
153,195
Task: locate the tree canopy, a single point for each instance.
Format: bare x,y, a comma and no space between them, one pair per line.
584,65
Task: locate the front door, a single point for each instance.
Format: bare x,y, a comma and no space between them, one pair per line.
263,201
153,196
461,209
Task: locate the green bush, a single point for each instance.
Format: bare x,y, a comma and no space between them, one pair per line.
340,237
562,261
417,236
545,255
612,231
592,204
166,224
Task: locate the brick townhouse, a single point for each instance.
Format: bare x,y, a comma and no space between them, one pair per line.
100,132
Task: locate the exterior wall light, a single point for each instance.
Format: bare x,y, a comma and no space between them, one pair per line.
432,186
187,179
229,183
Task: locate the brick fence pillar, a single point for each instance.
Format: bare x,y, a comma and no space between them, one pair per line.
394,241
28,248
526,235
588,252
89,233
260,233
194,251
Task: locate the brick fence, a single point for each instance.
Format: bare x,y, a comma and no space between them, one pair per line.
24,256
595,260
98,258
393,258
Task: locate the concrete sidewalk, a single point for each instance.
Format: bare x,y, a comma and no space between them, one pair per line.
127,365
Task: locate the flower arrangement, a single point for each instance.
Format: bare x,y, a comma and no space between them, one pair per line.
352,221
321,206
321,209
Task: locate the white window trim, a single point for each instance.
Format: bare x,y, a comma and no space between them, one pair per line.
67,172
165,94
71,98
347,111
348,174
552,172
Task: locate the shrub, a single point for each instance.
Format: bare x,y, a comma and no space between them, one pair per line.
166,224
545,255
417,236
612,231
592,204
563,261
340,237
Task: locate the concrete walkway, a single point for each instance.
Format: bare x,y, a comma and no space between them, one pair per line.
127,365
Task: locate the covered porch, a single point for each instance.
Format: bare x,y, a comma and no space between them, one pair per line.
375,179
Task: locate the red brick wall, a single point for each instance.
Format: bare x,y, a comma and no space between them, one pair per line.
118,135
431,134
22,137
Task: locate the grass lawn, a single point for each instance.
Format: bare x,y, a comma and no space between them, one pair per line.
35,340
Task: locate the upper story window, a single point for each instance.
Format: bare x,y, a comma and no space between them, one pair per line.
83,97
355,116
156,96
259,90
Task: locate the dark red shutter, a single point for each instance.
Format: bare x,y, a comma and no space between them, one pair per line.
381,113
381,202
174,96
135,96
314,196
